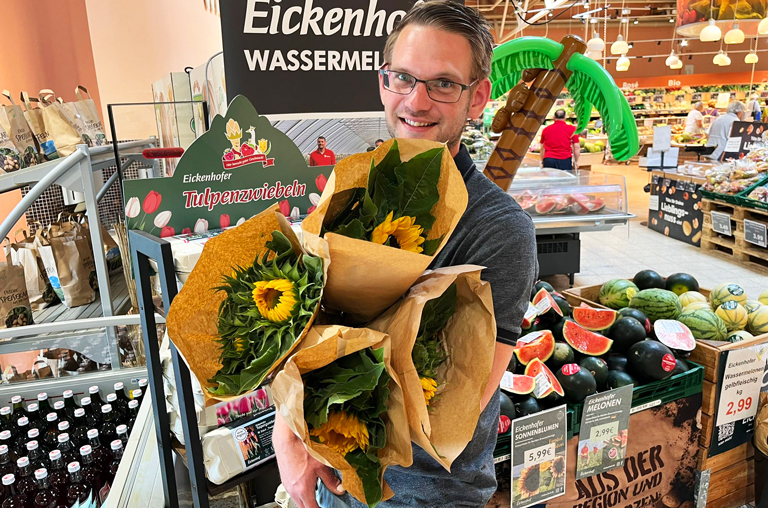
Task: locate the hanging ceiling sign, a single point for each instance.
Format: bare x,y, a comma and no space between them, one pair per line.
302,57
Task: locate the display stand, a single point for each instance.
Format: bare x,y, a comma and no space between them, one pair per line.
143,248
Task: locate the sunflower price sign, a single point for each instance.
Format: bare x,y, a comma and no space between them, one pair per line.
603,432
538,457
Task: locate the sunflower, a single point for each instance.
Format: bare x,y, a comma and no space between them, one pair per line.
528,483
343,432
275,299
402,233
429,386
558,467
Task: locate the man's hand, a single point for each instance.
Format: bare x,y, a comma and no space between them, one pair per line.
299,471
502,356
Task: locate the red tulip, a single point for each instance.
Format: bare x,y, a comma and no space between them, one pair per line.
320,181
224,221
186,231
285,208
152,202
167,231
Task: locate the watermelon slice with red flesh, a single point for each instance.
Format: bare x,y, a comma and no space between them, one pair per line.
521,384
530,316
585,341
594,319
674,334
543,302
535,368
540,344
545,205
596,204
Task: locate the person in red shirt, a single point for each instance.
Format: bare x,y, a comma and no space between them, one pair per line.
559,144
322,156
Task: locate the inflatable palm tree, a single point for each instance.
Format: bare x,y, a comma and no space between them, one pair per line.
549,67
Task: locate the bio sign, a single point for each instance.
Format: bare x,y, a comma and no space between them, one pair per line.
300,56
240,167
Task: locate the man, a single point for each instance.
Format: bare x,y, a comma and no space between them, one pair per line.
436,76
322,156
753,109
720,130
694,123
559,144
379,142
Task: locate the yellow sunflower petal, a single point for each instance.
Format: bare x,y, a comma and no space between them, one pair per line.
382,231
275,299
342,432
429,386
406,232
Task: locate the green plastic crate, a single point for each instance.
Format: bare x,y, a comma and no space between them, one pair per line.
734,199
753,203
673,388
504,441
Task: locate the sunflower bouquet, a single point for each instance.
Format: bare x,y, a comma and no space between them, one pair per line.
384,215
339,394
443,335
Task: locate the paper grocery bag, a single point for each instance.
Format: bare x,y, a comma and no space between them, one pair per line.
10,160
58,123
761,425
14,302
13,122
86,109
365,278
111,250
323,345
39,288
69,264
34,117
470,338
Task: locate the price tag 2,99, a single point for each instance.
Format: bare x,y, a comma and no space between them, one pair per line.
539,455
603,432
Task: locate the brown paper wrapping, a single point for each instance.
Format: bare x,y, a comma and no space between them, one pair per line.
323,345
761,425
387,272
442,430
193,316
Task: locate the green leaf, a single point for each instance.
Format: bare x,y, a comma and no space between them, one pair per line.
417,180
368,213
430,246
385,196
386,167
354,229
343,207
429,352
369,470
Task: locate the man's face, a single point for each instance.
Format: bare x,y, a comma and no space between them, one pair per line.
320,144
379,143
430,53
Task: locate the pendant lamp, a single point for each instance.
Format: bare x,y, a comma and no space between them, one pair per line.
677,65
622,64
595,55
711,32
751,57
671,59
619,47
596,43
735,35
762,27
719,58
726,61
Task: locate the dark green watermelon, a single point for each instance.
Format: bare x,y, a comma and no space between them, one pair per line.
616,362
507,406
563,354
650,360
562,303
680,367
625,333
617,378
577,383
680,283
539,285
637,314
599,369
647,279
527,406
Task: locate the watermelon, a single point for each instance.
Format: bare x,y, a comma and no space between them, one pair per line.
675,335
545,205
594,319
529,317
727,292
691,296
647,279
733,314
757,322
535,368
546,306
704,324
680,283
519,385
617,293
657,304
541,284
562,302
540,344
585,341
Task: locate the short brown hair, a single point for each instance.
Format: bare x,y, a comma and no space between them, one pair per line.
455,18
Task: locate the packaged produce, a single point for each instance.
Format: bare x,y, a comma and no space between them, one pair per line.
93,130
39,289
10,160
13,122
14,303
59,124
68,261
34,117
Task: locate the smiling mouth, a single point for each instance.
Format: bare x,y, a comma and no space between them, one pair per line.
413,123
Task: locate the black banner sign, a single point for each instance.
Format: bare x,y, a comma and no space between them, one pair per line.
745,134
307,56
675,210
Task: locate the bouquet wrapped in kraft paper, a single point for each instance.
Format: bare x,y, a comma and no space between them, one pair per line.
443,340
250,300
761,425
385,215
340,395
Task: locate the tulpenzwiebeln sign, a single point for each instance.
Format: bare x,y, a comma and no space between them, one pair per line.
240,167
306,56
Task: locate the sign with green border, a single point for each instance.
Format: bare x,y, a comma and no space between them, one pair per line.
240,167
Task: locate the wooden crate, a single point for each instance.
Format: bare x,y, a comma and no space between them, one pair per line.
732,486
707,353
725,459
589,294
734,248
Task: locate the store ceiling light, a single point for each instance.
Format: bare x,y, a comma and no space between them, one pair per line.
684,42
595,55
671,59
671,20
711,32
751,57
677,65
762,28
735,35
619,47
596,43
720,58
622,64
636,22
726,61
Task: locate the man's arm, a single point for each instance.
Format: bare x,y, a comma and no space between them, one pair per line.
576,153
501,358
311,160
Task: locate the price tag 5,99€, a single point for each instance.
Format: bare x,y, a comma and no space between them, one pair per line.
539,455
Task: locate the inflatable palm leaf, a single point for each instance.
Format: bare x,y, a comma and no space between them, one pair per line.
591,85
512,58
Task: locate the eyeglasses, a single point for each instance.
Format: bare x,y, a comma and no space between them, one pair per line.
439,90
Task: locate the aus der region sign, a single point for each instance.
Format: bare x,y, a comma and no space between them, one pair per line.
240,167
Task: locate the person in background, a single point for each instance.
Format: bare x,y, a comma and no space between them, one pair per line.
322,156
721,128
560,144
694,124
370,149
711,109
753,113
379,142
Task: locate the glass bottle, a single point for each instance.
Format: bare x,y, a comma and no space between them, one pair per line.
143,384
108,427
63,427
5,418
58,474
13,498
37,459
45,497
120,413
122,434
122,398
79,434
77,490
9,443
20,446
58,406
117,455
133,412
18,410
92,419
91,472
101,455
67,449
52,432
6,461
35,420
43,404
96,400
69,404
34,435
26,481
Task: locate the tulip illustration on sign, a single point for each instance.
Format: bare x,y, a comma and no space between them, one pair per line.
224,221
240,221
320,181
162,219
186,231
152,202
201,226
285,208
132,208
167,231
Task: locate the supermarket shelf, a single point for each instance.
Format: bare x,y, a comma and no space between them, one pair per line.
581,223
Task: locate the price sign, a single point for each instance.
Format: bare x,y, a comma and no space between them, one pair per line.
658,98
680,98
653,204
631,99
764,94
539,455
646,98
604,431
721,223
696,97
542,384
755,233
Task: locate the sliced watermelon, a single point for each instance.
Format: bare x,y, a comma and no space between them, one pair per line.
530,315
518,384
537,367
594,319
545,205
585,341
674,334
547,307
540,344
596,204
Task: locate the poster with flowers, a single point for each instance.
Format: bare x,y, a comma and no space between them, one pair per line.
240,167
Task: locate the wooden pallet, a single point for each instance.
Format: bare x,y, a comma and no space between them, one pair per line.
734,248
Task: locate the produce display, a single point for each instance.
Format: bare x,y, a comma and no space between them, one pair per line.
759,194
545,203
478,145
735,176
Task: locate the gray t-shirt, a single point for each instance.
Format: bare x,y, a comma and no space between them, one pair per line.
496,233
